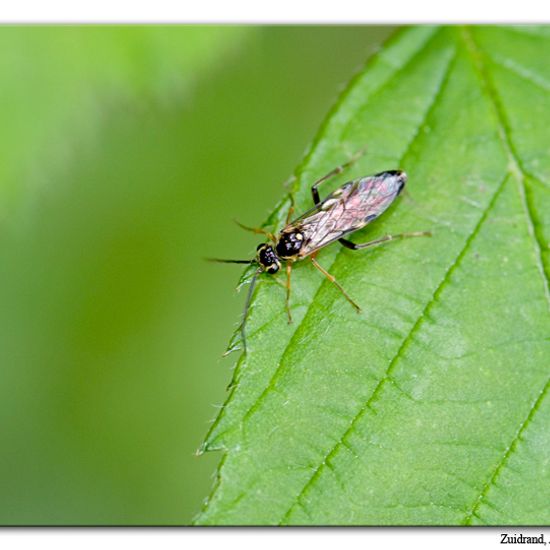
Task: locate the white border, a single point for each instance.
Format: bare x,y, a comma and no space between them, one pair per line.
273,11
266,539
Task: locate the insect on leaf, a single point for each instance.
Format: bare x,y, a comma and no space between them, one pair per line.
431,406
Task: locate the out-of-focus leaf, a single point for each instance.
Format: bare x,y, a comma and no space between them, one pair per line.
431,406
56,82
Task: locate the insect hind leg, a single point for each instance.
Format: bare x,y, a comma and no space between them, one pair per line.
386,238
334,172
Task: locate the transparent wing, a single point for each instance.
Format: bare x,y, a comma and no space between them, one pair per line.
347,209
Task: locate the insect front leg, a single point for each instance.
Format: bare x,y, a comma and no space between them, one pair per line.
257,230
334,172
386,238
335,282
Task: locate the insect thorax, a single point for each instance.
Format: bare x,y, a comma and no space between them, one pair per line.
289,243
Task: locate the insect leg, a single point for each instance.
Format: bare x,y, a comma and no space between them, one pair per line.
286,286
334,172
288,272
257,230
336,283
387,238
290,209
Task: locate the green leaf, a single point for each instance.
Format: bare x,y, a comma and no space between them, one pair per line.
431,406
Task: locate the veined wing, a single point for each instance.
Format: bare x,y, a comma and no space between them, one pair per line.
347,209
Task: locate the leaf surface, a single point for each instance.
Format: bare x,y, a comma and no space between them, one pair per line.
431,406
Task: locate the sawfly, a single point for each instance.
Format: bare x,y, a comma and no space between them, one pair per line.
347,209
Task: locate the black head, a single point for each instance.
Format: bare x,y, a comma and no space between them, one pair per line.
289,244
267,258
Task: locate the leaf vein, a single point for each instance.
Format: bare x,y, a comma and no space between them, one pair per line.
522,72
474,509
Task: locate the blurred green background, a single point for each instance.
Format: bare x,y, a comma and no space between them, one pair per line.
125,154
